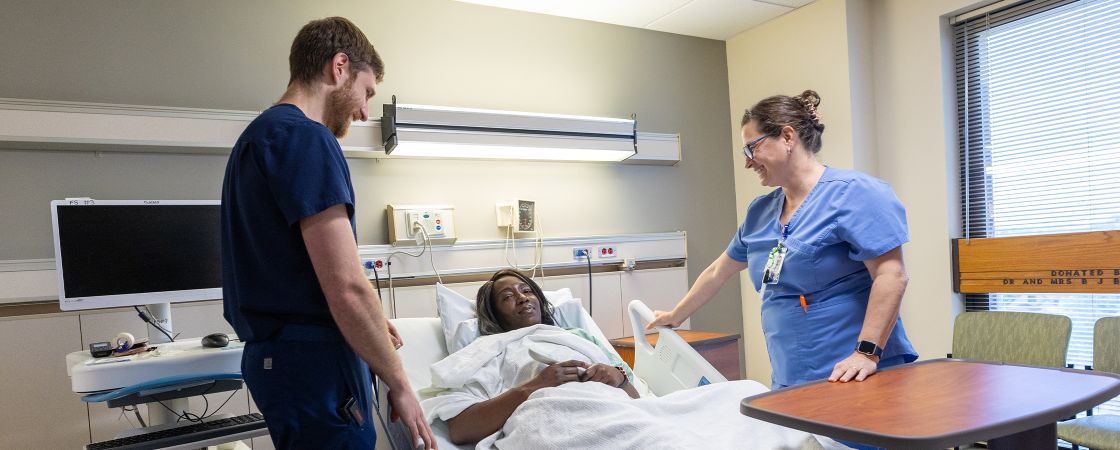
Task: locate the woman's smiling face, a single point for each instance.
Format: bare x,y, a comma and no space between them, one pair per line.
769,159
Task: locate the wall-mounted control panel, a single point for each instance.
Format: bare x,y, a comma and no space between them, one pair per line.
411,224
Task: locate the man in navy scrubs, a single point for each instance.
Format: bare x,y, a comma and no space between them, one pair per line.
293,284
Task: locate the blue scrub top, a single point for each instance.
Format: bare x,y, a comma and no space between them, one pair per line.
283,168
846,219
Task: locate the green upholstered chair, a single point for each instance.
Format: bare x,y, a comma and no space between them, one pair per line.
1102,431
1012,337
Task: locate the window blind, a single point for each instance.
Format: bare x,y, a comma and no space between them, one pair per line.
1038,105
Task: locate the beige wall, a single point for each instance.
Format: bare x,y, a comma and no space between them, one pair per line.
883,70
233,55
916,135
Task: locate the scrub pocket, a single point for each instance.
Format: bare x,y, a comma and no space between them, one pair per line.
826,334
300,387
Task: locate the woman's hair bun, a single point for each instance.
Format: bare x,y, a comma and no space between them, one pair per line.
810,98
809,101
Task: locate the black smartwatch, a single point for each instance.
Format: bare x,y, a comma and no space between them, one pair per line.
869,348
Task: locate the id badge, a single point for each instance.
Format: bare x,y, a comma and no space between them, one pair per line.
774,261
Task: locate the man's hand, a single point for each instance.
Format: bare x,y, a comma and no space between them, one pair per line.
857,366
394,336
406,409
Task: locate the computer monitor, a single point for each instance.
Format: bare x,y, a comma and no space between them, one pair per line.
112,253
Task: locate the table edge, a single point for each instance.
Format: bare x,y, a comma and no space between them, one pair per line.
1051,415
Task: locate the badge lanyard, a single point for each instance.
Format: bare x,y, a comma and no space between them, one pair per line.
774,261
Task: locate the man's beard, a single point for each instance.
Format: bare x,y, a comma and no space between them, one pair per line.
339,110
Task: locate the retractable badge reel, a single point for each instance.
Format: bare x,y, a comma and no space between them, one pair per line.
774,261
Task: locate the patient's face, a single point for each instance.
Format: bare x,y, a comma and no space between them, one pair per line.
515,303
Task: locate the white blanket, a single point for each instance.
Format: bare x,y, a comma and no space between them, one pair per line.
493,364
594,415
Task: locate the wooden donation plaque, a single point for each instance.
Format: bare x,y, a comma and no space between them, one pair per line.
1055,263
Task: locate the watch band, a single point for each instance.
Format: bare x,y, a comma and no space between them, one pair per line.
624,378
869,348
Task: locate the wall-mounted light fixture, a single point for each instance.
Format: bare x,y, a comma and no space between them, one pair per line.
444,132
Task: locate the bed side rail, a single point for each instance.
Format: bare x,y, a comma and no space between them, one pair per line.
672,364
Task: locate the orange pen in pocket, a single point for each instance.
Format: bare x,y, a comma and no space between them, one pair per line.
804,307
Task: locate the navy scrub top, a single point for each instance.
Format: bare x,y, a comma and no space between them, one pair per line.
283,168
846,219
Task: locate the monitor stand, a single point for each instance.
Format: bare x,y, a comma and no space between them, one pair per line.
157,413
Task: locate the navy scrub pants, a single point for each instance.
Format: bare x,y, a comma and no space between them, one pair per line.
302,380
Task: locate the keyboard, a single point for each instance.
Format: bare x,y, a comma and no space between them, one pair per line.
184,434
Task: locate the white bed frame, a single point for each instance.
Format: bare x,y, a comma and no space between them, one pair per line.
670,366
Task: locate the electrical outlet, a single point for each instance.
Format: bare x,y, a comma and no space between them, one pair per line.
581,253
606,251
376,263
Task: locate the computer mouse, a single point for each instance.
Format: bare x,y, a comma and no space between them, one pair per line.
215,340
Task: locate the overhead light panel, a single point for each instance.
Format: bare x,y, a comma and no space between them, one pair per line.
445,132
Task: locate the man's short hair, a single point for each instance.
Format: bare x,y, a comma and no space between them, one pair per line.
318,42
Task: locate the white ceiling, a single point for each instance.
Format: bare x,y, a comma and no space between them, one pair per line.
712,19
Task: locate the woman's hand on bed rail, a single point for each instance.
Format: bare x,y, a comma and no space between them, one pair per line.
665,319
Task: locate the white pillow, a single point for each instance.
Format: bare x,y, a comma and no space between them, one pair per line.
460,322
453,309
465,333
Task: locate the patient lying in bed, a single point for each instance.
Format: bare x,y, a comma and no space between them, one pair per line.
498,393
511,301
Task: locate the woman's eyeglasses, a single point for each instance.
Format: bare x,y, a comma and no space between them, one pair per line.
748,150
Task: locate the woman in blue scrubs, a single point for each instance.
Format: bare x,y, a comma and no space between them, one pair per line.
824,249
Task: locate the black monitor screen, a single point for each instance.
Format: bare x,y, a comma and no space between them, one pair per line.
132,249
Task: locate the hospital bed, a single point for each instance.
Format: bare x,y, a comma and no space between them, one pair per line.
669,366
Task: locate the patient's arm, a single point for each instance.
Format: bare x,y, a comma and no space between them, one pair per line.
610,376
485,418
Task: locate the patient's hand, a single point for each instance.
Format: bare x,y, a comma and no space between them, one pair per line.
557,374
606,374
